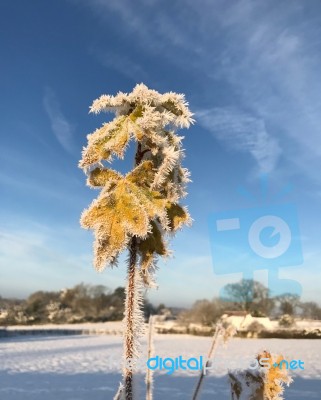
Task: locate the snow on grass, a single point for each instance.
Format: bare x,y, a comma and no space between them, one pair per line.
88,367
110,326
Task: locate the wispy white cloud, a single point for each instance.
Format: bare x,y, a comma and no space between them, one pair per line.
62,129
126,9
150,25
243,132
272,64
267,56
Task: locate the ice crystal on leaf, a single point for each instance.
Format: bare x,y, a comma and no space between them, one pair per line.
174,103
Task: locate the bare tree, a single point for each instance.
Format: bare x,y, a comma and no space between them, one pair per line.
310,309
288,302
247,293
204,312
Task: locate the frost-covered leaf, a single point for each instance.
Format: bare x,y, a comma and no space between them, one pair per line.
151,246
123,210
111,138
100,176
177,216
143,174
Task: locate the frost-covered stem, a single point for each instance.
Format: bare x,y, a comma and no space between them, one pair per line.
120,392
209,356
130,319
132,311
149,373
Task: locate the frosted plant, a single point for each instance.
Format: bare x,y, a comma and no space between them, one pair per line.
275,378
260,384
136,211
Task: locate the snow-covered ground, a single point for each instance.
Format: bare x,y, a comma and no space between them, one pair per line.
88,367
104,327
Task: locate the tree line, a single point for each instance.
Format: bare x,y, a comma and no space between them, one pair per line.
97,303
254,298
82,303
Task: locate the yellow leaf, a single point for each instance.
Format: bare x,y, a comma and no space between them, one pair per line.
111,138
108,244
177,216
100,177
143,174
151,246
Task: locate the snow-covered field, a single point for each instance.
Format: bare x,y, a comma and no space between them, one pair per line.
88,367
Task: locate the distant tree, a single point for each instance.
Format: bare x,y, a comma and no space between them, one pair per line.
135,211
160,307
149,309
97,291
78,299
249,295
203,312
120,293
288,303
91,303
37,303
311,310
262,307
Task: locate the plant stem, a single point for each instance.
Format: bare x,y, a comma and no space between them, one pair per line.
119,394
209,356
130,319
149,373
132,309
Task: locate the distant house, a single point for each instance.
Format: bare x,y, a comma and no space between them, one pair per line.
3,313
241,320
236,313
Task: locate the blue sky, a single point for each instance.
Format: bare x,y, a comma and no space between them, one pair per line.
251,73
